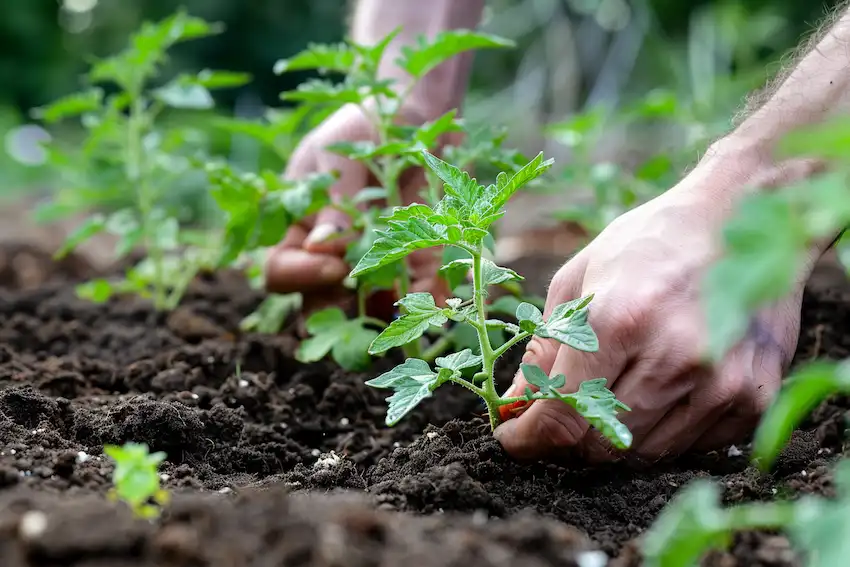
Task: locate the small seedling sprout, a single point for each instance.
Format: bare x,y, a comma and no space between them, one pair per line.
136,478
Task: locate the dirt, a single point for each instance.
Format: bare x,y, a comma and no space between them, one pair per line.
275,462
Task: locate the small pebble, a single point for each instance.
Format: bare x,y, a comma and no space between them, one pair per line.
12,451
396,444
432,434
33,524
344,422
82,457
592,559
804,473
164,477
195,396
225,490
210,359
329,461
315,452
734,452
243,383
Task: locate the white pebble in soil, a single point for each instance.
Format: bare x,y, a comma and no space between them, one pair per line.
243,383
432,434
82,457
344,422
734,452
329,461
315,452
592,559
32,525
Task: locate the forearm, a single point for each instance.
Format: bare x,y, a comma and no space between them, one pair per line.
816,87
444,87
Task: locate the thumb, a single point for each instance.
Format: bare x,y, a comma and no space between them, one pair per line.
329,231
540,352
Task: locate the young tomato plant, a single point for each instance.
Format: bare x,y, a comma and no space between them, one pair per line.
136,478
127,151
394,148
462,219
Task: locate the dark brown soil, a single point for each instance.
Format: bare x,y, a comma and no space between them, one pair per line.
243,424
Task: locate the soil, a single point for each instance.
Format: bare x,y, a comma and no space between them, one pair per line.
275,462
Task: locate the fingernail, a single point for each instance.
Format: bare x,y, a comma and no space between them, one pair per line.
322,233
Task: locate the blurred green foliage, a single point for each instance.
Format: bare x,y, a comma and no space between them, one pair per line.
43,46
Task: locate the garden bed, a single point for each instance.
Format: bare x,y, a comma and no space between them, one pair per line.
255,441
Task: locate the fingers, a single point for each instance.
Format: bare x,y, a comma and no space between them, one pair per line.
327,236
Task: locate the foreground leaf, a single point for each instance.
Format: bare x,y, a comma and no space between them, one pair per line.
412,382
800,394
598,405
688,527
568,325
535,376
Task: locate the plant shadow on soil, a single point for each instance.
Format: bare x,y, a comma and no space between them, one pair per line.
248,432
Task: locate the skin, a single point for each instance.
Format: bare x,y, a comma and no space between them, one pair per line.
645,268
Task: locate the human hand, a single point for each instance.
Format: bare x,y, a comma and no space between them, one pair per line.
645,270
310,259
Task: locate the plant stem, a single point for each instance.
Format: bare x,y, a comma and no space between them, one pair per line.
440,346
511,342
362,294
136,168
488,357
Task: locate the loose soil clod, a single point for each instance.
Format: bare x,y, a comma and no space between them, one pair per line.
75,376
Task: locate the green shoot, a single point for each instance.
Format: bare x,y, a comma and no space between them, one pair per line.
462,219
136,480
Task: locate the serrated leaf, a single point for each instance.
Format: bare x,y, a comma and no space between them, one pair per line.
429,133
412,382
90,227
499,194
421,312
420,59
689,527
568,325
400,239
459,360
365,150
598,405
491,274
70,105
307,196
458,183
324,58
529,317
535,376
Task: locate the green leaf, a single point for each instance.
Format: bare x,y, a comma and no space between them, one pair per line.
689,527
420,59
458,183
411,382
400,239
820,526
459,361
346,340
135,477
186,95
499,194
272,313
90,227
529,317
324,58
429,133
308,195
568,325
535,376
421,312
491,274
598,405
800,394
765,246
365,150
96,291
824,140
222,79
70,105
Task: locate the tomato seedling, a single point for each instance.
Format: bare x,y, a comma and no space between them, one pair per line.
136,478
462,219
128,150
395,148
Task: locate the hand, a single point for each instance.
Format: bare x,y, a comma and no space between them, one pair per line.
310,259
645,270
